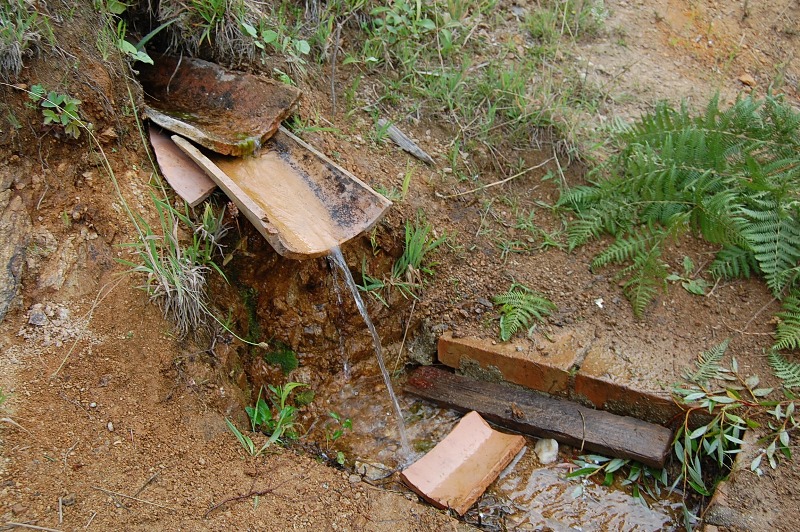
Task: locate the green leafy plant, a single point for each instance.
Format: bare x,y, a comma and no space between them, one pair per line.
246,441
59,109
340,427
408,271
279,422
706,449
641,479
689,282
518,307
727,175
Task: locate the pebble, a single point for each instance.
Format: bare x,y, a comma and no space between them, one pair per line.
110,427
354,479
547,450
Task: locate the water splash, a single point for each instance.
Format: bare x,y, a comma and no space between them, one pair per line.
337,258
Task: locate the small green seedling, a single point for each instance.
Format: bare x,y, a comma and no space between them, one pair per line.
59,109
696,286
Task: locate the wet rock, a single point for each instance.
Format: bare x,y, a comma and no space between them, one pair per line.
546,450
15,226
422,347
373,472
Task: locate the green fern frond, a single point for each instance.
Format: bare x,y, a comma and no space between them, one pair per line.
731,175
707,365
733,262
787,332
519,306
627,248
640,291
776,247
788,372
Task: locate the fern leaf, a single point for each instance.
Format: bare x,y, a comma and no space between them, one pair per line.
776,247
518,307
641,290
788,372
787,332
733,262
707,365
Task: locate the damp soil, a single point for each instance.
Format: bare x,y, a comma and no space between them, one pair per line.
106,404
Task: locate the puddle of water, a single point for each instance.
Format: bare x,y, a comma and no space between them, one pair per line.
337,258
538,497
526,496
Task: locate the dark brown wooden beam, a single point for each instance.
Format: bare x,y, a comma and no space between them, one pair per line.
545,417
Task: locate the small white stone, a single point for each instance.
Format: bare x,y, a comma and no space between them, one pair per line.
547,450
110,427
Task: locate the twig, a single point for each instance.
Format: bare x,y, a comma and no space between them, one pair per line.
502,181
251,493
759,311
66,454
12,422
32,527
333,68
60,510
147,483
89,522
583,436
97,301
134,498
405,332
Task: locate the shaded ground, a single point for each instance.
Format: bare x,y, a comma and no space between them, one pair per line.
134,411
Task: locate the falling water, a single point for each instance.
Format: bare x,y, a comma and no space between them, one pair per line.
336,272
337,258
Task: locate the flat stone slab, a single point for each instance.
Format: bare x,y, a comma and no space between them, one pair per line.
231,113
456,472
185,177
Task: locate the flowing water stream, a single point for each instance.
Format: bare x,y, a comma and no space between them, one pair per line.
337,259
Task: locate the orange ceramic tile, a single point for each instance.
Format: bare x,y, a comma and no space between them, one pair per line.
456,472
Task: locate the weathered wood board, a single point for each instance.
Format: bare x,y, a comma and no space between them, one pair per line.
545,417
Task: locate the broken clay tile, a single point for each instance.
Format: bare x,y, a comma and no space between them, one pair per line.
231,113
188,180
300,201
456,472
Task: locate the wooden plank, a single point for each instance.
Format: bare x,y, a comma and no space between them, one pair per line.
546,417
